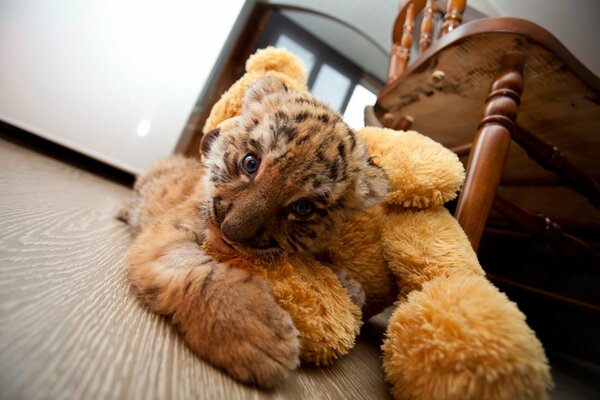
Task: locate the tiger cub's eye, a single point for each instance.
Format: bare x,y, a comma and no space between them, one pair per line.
250,164
302,208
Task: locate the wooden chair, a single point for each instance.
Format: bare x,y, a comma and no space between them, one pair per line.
534,93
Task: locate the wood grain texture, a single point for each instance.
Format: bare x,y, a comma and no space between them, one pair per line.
70,327
560,103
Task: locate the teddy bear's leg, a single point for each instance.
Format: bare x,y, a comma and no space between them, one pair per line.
460,338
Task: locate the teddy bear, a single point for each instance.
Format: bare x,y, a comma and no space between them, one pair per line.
452,334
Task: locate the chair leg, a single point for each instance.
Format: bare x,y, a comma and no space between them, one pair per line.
490,148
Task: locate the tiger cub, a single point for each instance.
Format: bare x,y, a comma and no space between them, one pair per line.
275,182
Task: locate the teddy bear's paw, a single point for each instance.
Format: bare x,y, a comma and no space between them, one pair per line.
461,338
238,326
354,288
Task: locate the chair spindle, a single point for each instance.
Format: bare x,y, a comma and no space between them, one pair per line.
401,52
454,14
426,27
490,148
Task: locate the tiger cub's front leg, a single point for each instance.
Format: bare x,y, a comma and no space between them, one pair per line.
227,316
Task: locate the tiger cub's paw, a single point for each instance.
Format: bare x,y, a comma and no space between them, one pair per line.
252,338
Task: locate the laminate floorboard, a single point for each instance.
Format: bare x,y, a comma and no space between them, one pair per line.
70,327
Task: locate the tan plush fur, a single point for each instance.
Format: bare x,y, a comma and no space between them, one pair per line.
460,338
422,172
433,244
269,62
221,254
453,335
357,247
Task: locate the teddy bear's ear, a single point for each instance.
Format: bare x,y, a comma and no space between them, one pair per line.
207,140
262,88
372,185
279,61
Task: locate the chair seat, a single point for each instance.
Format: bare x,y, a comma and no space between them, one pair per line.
560,101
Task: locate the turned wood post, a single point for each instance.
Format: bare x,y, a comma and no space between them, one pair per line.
401,51
454,14
490,148
426,27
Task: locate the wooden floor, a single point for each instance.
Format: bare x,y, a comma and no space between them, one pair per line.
69,325
71,329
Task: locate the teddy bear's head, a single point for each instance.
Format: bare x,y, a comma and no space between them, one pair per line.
269,62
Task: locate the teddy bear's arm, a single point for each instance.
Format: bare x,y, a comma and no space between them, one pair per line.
422,245
227,316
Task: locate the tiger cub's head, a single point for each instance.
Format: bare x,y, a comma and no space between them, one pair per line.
284,174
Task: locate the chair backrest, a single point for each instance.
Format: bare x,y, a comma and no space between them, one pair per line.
448,11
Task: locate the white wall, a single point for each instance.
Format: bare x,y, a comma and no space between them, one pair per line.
115,79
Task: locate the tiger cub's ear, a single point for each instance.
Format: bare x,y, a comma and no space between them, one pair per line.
262,88
207,140
371,186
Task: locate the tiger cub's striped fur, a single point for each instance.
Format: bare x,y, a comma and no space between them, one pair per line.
307,158
277,181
